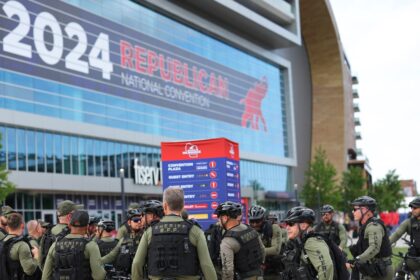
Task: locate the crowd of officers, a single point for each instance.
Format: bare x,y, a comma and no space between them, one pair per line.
158,241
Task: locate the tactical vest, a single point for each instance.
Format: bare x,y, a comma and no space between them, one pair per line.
70,261
11,269
47,240
171,252
295,269
249,257
332,233
105,247
363,243
415,234
126,255
214,237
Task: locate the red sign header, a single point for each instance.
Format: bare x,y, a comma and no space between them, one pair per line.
209,148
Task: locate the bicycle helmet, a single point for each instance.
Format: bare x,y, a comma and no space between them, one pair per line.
153,206
326,209
133,212
415,203
107,225
300,214
229,208
366,201
94,220
256,212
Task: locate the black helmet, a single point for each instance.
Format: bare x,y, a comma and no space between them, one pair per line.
326,209
365,200
256,212
93,220
232,209
107,225
153,206
300,214
415,203
133,212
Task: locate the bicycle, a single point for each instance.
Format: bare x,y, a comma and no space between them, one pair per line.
405,272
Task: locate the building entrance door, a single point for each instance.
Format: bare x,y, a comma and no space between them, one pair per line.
49,216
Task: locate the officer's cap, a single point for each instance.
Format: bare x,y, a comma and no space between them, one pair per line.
80,218
6,210
66,207
43,223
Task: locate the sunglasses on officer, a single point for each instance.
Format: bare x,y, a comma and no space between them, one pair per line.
136,219
255,221
290,224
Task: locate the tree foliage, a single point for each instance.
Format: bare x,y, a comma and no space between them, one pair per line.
6,187
353,186
320,185
388,192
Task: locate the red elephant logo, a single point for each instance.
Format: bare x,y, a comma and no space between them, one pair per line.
252,105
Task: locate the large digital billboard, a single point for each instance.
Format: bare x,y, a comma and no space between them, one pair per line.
207,171
61,42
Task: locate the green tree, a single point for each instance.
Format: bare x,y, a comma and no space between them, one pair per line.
6,187
353,186
388,192
320,183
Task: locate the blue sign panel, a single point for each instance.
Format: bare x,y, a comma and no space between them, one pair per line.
207,181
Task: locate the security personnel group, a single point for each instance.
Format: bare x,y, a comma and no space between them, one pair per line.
158,241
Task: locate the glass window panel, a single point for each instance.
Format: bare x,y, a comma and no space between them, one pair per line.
48,201
37,201
19,201
28,201
30,137
3,145
82,157
125,160
112,159
90,157
11,147
40,151
66,154
74,156
11,200
98,158
49,152
118,156
21,149
58,154
105,159
29,216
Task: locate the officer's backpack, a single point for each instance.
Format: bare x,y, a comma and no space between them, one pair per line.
8,268
337,256
214,237
48,239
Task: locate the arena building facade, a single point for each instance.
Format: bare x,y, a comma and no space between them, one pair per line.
91,87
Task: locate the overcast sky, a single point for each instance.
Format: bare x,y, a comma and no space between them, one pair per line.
382,41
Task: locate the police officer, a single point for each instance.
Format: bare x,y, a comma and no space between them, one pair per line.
331,229
271,238
307,256
122,255
21,259
241,250
74,256
173,248
93,226
104,237
65,211
4,211
152,212
372,252
35,232
124,229
411,227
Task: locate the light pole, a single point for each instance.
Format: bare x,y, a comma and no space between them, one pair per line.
295,186
122,194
